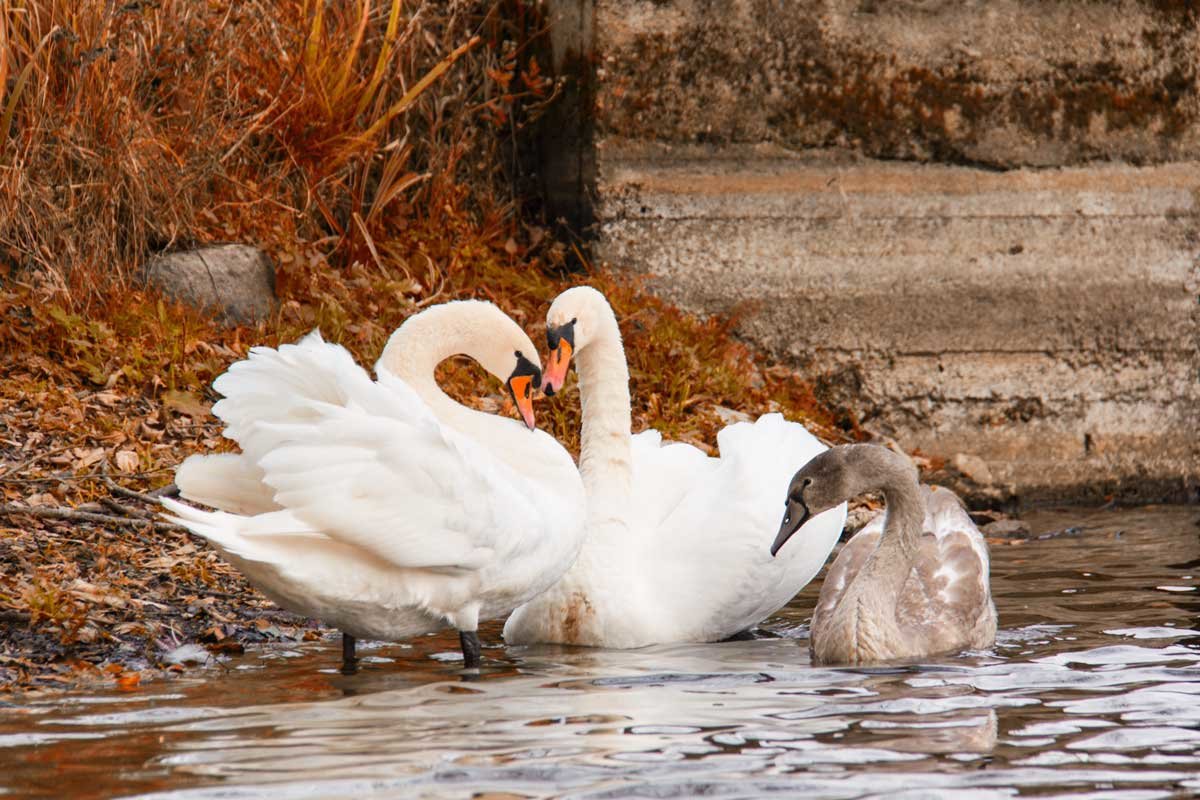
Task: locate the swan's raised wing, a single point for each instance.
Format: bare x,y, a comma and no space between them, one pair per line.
268,386
715,545
228,481
663,475
281,385
378,471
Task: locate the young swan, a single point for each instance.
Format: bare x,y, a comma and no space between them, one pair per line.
912,584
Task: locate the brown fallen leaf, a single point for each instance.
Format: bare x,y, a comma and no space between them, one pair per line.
185,403
85,457
126,460
92,593
214,634
128,681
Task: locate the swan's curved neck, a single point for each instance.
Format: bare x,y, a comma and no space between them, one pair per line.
415,362
605,460
417,347
889,566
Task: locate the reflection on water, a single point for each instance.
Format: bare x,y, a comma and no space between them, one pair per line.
1093,689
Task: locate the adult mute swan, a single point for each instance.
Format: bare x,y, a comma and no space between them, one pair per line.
383,507
677,543
278,387
912,583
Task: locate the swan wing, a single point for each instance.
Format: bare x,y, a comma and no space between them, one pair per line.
268,386
281,385
715,545
948,592
663,475
849,562
380,472
268,538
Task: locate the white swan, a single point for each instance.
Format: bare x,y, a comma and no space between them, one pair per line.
385,508
278,387
893,592
677,545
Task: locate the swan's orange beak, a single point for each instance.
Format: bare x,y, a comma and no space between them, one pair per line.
556,370
521,387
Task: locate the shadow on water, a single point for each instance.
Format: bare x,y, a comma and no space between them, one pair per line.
1093,689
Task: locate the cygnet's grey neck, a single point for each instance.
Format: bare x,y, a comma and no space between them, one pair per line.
879,469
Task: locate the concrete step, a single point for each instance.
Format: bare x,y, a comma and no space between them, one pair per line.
1046,320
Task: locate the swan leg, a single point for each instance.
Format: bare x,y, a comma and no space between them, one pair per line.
470,648
349,661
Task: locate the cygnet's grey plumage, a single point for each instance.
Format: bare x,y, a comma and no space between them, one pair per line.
912,583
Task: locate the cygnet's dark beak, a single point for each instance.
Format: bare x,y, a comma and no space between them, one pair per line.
793,519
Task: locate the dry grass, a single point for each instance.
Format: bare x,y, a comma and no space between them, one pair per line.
130,128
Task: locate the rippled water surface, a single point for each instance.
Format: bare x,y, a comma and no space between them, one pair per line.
1092,690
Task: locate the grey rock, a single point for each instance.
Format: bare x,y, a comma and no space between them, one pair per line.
814,168
236,281
1068,367
969,82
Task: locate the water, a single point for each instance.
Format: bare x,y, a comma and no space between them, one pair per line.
1092,691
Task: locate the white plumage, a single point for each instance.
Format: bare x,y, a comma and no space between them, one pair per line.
383,507
678,543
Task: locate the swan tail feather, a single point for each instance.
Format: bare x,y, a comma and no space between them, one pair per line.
227,481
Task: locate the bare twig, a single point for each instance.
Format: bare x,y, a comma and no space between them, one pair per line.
91,476
125,511
117,488
50,512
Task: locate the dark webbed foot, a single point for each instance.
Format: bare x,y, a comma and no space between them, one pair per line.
349,662
470,648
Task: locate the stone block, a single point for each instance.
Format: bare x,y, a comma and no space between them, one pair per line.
234,281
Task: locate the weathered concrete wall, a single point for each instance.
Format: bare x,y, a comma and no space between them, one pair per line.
1010,290
998,82
1046,321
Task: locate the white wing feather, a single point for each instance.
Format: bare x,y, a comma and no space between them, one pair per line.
269,386
716,542
228,481
397,482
